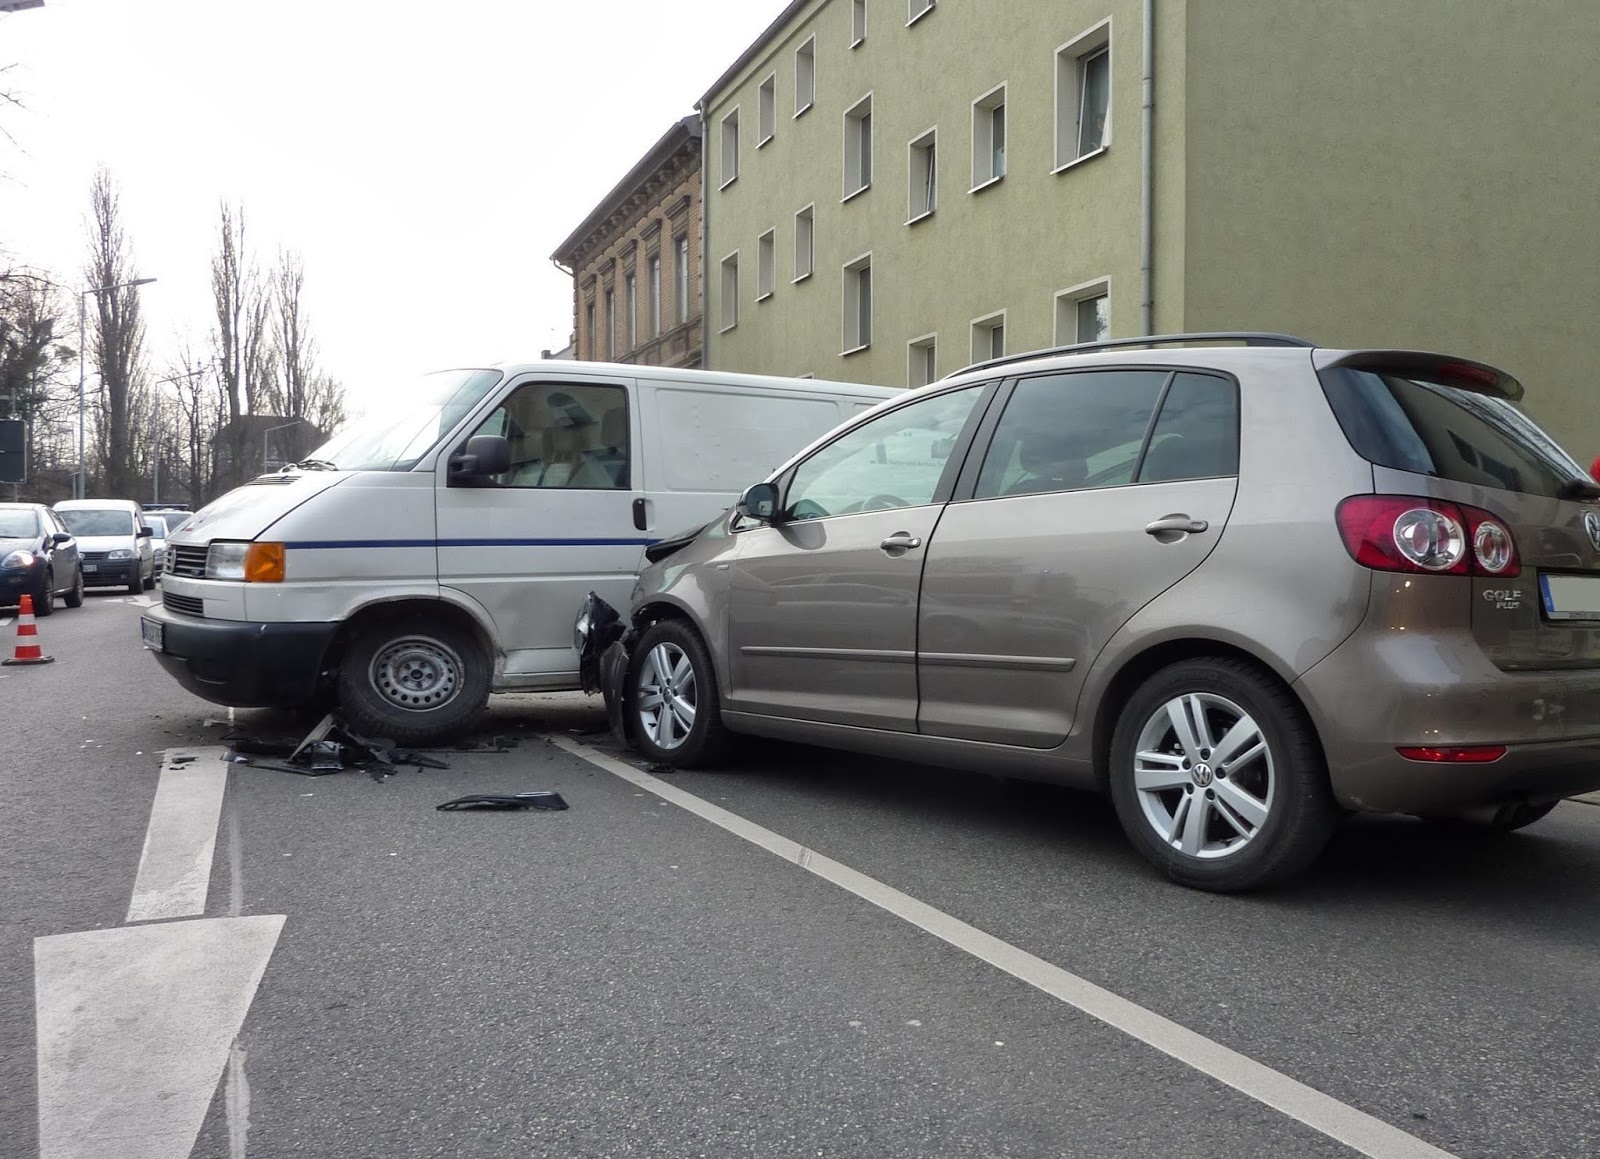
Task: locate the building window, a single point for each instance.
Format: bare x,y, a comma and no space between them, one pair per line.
681,248
805,76
858,304
989,138
858,147
611,324
858,22
730,148
730,291
630,293
593,339
768,109
766,259
1083,96
920,356
804,249
922,170
989,337
1083,313
655,295
916,9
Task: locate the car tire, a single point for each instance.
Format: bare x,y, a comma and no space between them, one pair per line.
1265,816
44,601
150,580
74,596
675,713
413,681
136,584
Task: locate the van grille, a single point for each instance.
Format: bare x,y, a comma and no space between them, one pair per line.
183,605
189,561
93,556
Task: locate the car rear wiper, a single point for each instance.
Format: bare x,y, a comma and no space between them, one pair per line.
1579,489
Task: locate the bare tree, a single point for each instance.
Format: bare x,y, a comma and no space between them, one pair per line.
240,340
33,384
191,423
119,333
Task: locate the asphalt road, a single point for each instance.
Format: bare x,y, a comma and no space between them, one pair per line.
627,978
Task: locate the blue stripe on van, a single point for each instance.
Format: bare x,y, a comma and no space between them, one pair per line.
351,544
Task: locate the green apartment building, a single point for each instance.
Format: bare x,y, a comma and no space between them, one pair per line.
895,188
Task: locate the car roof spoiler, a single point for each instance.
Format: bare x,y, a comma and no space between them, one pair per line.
1462,373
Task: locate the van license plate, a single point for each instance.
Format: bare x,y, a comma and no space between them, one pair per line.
1570,597
90,568
154,634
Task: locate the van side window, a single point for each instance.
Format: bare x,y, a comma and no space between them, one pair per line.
1070,432
563,435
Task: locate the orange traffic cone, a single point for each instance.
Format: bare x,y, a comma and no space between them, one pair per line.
28,651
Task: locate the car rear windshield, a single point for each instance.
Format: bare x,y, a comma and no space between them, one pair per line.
1431,428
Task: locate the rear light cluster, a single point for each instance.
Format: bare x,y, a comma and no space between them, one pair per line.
1427,536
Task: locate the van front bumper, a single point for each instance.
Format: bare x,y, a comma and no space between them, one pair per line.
242,664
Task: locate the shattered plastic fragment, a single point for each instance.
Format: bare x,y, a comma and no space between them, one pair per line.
542,799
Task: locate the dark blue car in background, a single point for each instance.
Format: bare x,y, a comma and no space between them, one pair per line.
38,558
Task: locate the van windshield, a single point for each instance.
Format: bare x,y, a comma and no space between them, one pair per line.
407,427
97,522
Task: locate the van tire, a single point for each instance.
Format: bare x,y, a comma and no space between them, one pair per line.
676,644
413,681
1279,762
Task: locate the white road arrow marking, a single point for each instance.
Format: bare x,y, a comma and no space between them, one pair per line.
175,868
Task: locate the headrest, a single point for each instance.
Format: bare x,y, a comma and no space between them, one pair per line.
614,428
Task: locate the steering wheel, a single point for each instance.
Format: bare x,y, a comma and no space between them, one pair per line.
884,501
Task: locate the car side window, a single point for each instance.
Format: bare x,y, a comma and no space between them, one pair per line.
564,436
895,460
1070,432
1197,434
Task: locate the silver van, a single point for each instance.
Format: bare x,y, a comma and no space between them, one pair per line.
1241,588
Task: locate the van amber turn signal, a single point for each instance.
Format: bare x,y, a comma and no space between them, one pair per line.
263,564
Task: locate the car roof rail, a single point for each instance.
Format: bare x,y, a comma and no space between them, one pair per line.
1242,337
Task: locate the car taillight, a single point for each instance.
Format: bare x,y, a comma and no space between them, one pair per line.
1454,754
1410,534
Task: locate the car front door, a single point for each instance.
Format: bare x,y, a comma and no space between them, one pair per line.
822,605
530,544
1098,491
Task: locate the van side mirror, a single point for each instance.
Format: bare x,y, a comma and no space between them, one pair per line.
760,502
146,532
483,456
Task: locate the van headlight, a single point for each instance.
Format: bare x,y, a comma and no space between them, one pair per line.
120,553
225,561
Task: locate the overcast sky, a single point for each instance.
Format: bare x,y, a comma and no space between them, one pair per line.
424,158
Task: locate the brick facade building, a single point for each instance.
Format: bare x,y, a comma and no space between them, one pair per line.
635,261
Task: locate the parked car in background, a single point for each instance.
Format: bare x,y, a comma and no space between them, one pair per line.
113,541
38,558
1240,589
440,548
156,521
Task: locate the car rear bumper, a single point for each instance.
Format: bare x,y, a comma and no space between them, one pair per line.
1376,693
243,664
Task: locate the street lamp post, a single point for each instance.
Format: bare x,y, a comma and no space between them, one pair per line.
156,481
268,432
79,483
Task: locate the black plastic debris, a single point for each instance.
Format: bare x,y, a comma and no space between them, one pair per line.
330,747
541,799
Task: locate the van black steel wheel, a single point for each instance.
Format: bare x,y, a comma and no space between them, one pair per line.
1218,778
413,682
672,694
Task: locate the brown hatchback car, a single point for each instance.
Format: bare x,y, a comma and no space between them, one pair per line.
1241,588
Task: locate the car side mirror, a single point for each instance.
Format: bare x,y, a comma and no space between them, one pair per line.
60,537
146,532
483,456
760,502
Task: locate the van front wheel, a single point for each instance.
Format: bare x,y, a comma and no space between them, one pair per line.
413,683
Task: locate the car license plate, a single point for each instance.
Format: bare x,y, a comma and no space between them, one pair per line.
90,568
1570,597
154,634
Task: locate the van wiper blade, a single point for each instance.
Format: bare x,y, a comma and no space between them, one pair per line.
311,465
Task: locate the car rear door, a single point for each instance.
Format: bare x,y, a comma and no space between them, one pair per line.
1098,490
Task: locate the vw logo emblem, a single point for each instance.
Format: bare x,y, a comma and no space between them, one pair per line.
1202,775
1591,524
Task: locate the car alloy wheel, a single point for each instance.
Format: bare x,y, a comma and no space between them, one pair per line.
1204,774
667,695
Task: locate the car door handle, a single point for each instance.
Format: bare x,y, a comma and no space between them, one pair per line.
1181,524
900,541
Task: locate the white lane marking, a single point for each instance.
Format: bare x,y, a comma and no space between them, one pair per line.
5,621
1345,1124
146,601
135,1026
175,868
